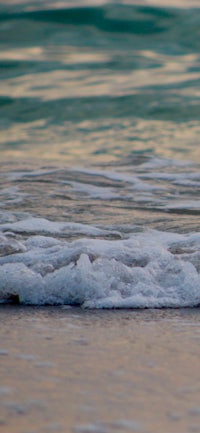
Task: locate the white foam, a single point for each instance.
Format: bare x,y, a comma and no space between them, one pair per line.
95,191
159,183
12,195
44,226
147,270
188,205
188,179
136,181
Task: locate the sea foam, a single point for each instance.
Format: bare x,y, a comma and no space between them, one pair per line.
149,269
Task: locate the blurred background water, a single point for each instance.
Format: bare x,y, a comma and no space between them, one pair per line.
108,88
96,81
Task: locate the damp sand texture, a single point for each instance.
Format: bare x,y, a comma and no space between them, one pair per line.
71,370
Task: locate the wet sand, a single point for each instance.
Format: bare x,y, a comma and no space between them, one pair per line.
72,370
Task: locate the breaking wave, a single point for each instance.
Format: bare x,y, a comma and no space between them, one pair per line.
149,269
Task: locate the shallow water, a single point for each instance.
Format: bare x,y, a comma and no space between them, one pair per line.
99,109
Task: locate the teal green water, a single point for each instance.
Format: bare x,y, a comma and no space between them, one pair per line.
97,82
107,95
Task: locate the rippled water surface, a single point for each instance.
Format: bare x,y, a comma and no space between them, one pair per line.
99,118
98,82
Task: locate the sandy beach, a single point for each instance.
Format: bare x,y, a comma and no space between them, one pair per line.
72,370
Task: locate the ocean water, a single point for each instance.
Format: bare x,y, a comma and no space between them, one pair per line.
99,216
99,153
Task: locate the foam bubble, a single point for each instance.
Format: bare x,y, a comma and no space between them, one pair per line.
147,270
